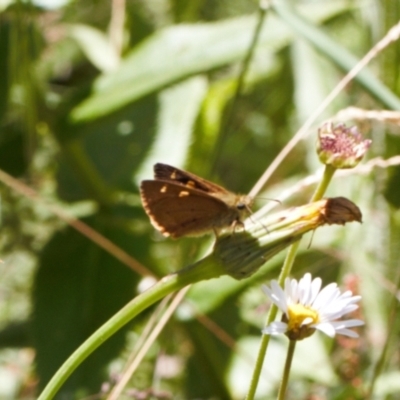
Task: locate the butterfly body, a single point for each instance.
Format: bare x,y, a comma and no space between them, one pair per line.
182,204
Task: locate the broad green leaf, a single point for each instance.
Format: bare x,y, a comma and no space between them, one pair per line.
96,46
177,52
336,52
178,110
114,146
207,366
12,158
76,289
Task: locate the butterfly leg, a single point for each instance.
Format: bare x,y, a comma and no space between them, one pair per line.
215,233
235,224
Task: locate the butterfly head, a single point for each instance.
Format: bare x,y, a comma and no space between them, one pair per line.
243,204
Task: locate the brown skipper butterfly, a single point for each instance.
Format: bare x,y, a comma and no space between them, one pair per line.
180,203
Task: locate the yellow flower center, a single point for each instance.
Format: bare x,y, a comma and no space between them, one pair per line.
299,320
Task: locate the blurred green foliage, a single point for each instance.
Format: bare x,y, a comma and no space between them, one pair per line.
87,106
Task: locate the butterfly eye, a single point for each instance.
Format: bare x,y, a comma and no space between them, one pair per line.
240,206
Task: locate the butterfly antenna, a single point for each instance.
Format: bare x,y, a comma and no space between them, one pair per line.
269,199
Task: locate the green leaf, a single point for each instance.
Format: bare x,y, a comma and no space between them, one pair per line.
179,107
337,53
113,147
12,157
207,366
96,46
76,289
180,51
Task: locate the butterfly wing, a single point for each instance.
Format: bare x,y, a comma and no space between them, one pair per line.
168,173
178,210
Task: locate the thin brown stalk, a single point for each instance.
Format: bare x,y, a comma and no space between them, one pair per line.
75,223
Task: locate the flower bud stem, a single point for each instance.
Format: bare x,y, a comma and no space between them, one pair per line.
323,185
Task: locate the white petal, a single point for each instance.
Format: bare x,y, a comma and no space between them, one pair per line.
350,302
335,314
356,299
350,323
288,288
304,288
327,328
279,296
305,281
315,288
347,332
275,328
266,290
350,308
326,296
276,294
307,321
294,295
332,312
269,292
347,298
336,311
346,294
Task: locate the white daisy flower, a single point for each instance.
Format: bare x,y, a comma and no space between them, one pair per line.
306,307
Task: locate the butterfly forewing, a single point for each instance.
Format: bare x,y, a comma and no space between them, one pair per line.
180,203
169,173
177,210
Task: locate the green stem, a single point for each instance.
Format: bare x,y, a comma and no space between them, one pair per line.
286,371
207,268
286,268
239,87
394,310
323,185
285,272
